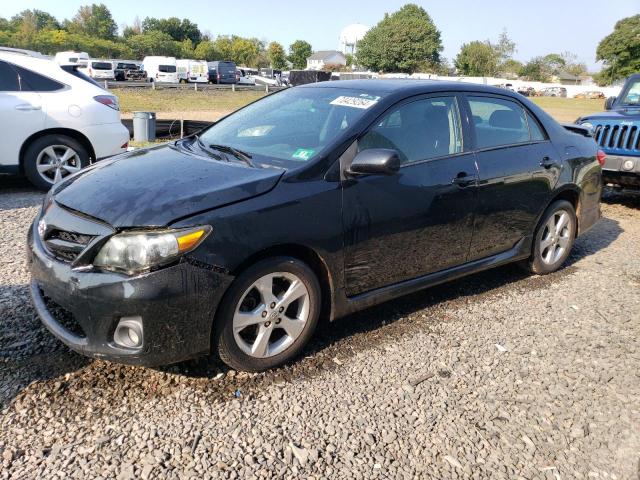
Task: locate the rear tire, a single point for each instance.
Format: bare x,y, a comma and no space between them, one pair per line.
554,238
268,314
52,158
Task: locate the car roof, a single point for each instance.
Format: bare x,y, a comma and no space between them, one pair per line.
408,86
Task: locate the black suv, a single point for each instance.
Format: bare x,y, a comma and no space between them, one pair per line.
129,71
313,202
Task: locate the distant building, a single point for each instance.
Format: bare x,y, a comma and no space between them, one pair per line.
324,58
350,36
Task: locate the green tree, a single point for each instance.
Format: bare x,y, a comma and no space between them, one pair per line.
153,43
206,50
277,56
402,41
178,29
620,50
505,48
477,59
242,51
37,20
94,20
299,51
511,67
537,69
186,48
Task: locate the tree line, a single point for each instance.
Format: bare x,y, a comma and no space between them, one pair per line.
93,30
404,41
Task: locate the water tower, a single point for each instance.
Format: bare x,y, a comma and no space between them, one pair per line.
350,36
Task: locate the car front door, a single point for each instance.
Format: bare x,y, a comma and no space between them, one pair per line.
420,219
517,167
21,115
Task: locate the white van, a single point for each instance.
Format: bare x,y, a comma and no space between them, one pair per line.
101,70
195,71
73,58
160,69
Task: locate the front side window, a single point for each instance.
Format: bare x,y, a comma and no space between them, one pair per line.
8,78
632,95
419,130
498,122
293,126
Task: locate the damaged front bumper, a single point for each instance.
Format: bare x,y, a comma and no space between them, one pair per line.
176,307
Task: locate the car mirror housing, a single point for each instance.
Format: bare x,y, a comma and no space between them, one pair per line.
608,103
375,161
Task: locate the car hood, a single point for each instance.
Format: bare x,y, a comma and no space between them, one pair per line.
154,187
623,114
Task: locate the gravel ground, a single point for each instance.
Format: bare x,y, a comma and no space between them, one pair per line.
499,375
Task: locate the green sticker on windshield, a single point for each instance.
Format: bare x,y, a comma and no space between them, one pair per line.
303,154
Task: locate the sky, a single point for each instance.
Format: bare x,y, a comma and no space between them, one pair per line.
538,27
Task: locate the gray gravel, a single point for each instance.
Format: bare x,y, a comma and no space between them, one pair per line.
499,375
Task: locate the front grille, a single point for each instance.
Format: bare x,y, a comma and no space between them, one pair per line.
66,246
64,317
618,138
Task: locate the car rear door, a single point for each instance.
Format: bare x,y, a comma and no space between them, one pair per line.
419,220
518,168
21,114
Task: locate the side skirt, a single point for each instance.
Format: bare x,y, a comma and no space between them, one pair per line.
347,305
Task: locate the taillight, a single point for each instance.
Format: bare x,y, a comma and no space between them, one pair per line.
108,100
601,156
218,76
125,145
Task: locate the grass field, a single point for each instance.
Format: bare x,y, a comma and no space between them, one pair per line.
213,104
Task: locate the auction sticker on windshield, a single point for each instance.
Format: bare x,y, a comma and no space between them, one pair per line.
364,101
303,154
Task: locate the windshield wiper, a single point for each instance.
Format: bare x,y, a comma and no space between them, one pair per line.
239,154
204,147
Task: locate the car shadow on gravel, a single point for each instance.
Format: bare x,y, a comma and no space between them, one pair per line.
335,342
17,192
332,346
626,198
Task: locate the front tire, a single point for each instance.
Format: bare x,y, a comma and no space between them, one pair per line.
52,158
554,238
268,314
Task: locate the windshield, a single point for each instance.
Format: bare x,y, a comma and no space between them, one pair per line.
632,96
293,126
167,68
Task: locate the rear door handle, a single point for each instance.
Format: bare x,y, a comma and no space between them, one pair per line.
546,162
26,107
463,179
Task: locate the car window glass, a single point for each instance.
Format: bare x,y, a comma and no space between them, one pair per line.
498,122
167,68
418,130
8,78
537,135
34,82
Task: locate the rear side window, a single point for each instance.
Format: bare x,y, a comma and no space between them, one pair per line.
167,68
537,134
8,78
73,70
498,122
34,82
418,130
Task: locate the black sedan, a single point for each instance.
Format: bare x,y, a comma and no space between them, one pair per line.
311,203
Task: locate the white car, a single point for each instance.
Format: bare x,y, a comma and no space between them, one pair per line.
101,70
54,119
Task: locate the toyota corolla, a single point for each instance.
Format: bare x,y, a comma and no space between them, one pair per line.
308,204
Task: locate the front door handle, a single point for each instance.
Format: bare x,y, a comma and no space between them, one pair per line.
547,163
26,107
463,179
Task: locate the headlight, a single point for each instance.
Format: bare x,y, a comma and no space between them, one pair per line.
587,125
137,251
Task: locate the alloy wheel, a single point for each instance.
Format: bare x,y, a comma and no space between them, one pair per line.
56,162
271,314
556,237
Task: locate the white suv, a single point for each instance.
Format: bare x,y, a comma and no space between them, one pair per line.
54,120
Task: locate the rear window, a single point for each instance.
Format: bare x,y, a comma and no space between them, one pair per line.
128,66
73,70
102,65
167,68
34,82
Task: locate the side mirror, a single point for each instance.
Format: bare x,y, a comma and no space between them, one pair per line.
375,161
608,103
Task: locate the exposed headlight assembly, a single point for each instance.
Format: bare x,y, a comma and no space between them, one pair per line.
587,125
138,251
